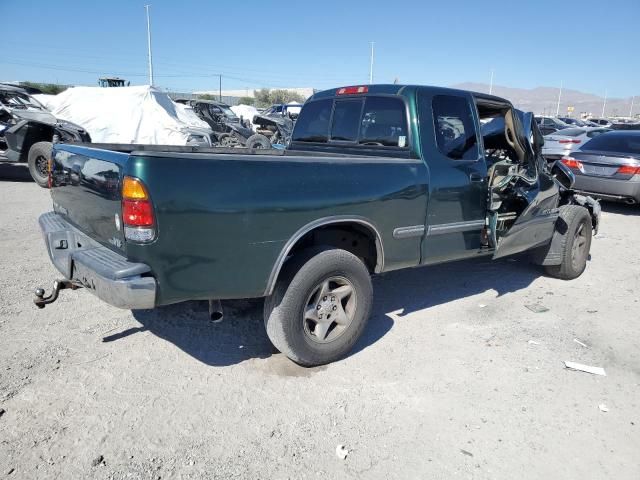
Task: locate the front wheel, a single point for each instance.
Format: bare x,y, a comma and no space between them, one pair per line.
38,160
319,307
575,232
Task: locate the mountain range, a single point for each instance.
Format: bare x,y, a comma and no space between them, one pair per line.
543,100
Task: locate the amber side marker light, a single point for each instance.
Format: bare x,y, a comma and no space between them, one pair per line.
137,211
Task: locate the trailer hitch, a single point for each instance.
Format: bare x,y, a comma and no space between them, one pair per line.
58,285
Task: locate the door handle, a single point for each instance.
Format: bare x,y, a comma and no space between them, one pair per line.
476,177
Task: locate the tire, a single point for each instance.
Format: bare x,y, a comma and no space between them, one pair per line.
302,337
258,141
575,242
226,140
38,160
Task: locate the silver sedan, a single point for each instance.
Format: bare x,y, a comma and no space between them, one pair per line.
608,166
557,145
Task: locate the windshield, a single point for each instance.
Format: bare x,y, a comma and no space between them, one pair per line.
19,100
570,132
227,111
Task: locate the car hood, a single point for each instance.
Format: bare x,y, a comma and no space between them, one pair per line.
33,115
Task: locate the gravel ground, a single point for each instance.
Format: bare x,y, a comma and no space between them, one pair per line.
454,378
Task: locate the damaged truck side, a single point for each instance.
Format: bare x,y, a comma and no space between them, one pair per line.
376,178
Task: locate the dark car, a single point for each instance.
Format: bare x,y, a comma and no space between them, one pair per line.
576,122
228,129
375,178
549,125
608,166
27,130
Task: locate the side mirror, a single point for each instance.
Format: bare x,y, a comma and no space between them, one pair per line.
563,174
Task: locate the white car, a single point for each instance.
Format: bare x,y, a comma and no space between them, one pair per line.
563,142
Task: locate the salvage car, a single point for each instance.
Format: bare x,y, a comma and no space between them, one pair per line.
27,130
562,143
549,125
277,122
608,166
376,178
226,125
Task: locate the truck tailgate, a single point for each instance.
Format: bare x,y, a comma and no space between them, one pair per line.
85,188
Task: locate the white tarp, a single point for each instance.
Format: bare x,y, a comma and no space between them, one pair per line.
246,112
45,99
141,114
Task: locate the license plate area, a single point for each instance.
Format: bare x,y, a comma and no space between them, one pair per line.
599,170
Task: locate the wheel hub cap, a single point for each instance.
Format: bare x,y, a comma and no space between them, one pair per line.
329,310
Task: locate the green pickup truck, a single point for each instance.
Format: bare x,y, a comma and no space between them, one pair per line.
376,178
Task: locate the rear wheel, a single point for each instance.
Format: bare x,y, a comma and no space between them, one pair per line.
39,156
258,141
575,242
319,307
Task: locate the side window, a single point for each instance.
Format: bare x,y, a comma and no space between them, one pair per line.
313,122
384,122
454,127
346,120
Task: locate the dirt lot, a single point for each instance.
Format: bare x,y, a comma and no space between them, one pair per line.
455,377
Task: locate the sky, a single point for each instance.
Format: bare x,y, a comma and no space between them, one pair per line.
588,45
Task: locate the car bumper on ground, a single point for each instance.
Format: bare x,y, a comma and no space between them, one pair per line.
608,189
107,274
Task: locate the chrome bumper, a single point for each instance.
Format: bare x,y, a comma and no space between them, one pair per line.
87,263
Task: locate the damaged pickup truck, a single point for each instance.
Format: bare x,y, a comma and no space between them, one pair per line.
27,130
376,178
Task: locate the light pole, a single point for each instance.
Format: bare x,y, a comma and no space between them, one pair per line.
604,104
491,83
631,109
146,7
559,96
371,66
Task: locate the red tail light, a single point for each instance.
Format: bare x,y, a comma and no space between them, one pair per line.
573,163
137,211
569,141
352,90
629,170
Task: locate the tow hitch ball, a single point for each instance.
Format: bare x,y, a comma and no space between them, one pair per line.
58,285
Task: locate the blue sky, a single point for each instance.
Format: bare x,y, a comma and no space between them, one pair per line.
589,45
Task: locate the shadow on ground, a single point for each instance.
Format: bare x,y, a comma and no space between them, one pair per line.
15,172
620,208
241,336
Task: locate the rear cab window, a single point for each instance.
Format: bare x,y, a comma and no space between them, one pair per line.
371,121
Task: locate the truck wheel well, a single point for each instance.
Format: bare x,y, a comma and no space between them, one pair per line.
352,237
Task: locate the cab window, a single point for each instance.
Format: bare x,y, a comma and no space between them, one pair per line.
384,122
455,130
346,118
313,122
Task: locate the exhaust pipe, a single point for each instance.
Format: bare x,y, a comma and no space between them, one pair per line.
215,311
629,201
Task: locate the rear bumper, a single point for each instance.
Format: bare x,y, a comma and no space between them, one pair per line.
608,189
107,274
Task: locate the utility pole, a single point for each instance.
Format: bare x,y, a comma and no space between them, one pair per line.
371,66
220,87
491,83
559,96
146,7
631,109
604,104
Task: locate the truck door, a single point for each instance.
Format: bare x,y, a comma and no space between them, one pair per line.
452,149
